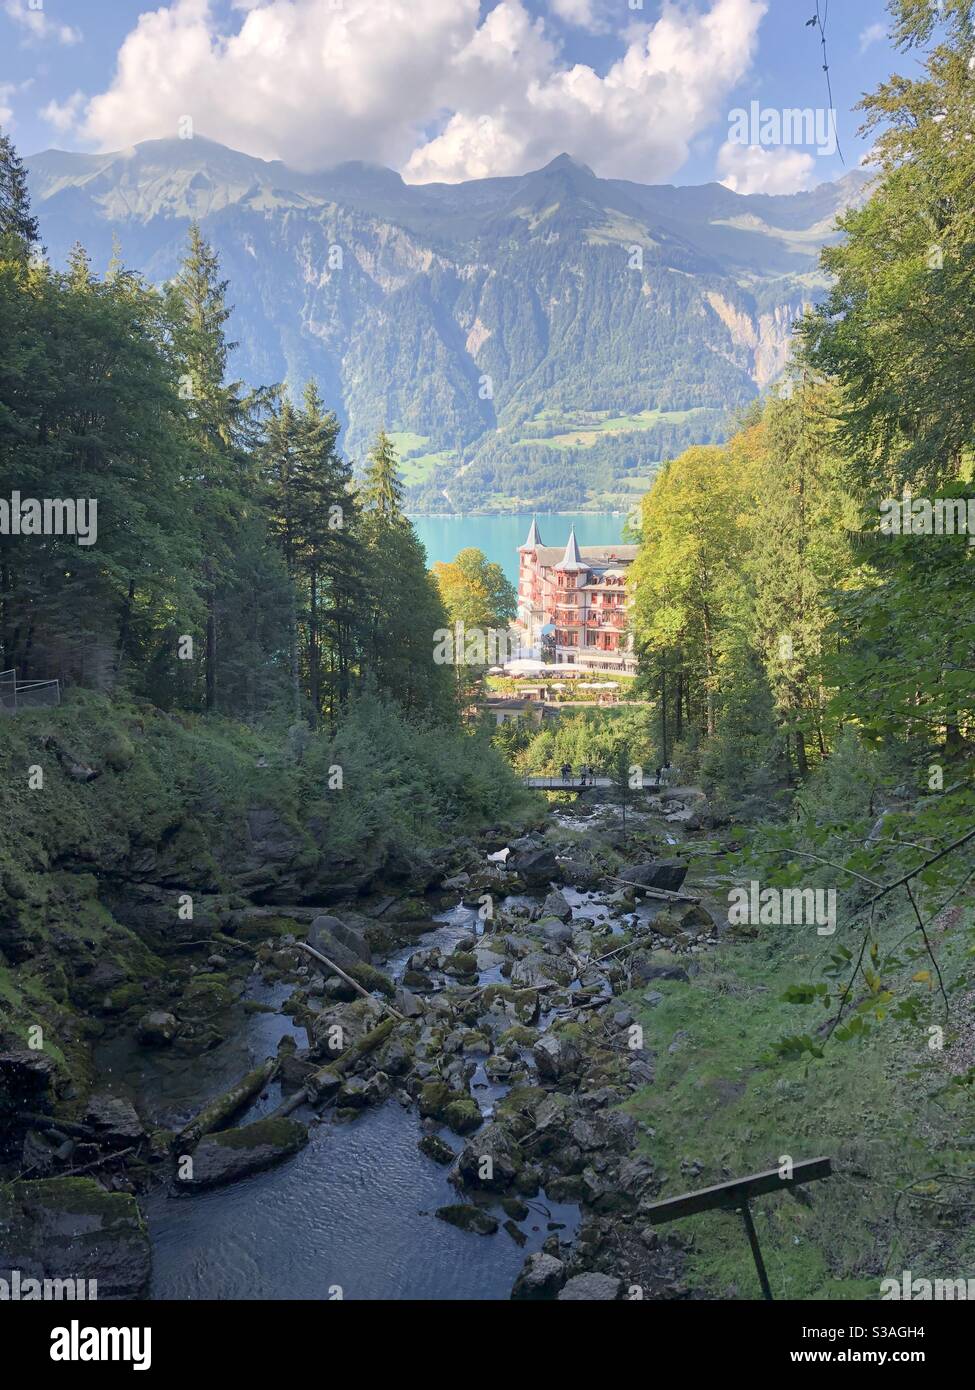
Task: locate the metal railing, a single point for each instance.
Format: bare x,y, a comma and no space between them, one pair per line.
17,695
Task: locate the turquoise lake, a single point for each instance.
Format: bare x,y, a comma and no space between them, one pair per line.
500,536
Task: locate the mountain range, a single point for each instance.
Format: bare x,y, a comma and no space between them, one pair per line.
534,341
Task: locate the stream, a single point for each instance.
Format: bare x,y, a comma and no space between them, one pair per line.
352,1211
352,1215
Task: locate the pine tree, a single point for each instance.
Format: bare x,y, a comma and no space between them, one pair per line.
220,418
17,222
331,556
382,491
403,608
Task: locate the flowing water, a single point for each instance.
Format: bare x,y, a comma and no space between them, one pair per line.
352,1211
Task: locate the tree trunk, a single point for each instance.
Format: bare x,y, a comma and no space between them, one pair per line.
314,673
223,1106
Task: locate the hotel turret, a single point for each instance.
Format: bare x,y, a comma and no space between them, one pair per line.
572,603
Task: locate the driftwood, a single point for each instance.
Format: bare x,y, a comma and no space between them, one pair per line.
223,1106
48,1124
663,893
367,1043
218,939
105,1158
347,978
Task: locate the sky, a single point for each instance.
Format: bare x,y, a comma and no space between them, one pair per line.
660,91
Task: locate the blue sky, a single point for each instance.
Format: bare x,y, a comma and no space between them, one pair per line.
444,89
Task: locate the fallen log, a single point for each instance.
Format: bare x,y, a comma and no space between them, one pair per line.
223,1106
663,893
367,1043
48,1124
218,939
347,978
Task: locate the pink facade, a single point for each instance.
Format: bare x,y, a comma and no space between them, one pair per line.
572,603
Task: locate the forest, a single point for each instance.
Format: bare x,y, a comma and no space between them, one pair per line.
812,663
262,862
237,571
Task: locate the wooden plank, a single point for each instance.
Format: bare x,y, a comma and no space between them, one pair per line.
733,1194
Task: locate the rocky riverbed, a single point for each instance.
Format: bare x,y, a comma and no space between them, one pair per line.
460,1130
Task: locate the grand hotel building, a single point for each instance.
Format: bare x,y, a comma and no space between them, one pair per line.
572,604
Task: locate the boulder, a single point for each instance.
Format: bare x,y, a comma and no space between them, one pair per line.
352,938
407,1004
157,1028
114,1119
456,883
322,935
557,933
644,970
234,1153
535,867
463,1116
541,1277
552,1120
581,873
493,1143
666,874
70,1228
592,1288
555,1058
690,918
469,1218
539,968
460,963
557,905
26,1076
436,1148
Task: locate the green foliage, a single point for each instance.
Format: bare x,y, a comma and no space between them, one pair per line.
235,570
406,785
590,737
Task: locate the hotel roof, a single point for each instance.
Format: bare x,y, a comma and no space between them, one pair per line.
534,537
593,556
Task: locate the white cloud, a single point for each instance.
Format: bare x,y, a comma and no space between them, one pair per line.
874,33
583,13
39,24
425,85
759,169
63,115
7,91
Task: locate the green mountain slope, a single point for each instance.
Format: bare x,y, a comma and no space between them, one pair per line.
542,340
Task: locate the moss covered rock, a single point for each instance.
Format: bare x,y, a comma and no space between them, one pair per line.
70,1228
234,1153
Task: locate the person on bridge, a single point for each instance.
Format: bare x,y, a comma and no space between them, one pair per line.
583,775
566,770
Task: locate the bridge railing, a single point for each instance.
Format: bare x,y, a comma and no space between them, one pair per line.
16,695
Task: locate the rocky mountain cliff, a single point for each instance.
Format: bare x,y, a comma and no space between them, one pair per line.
541,340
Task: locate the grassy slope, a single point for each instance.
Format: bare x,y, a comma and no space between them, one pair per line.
174,790
866,1104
